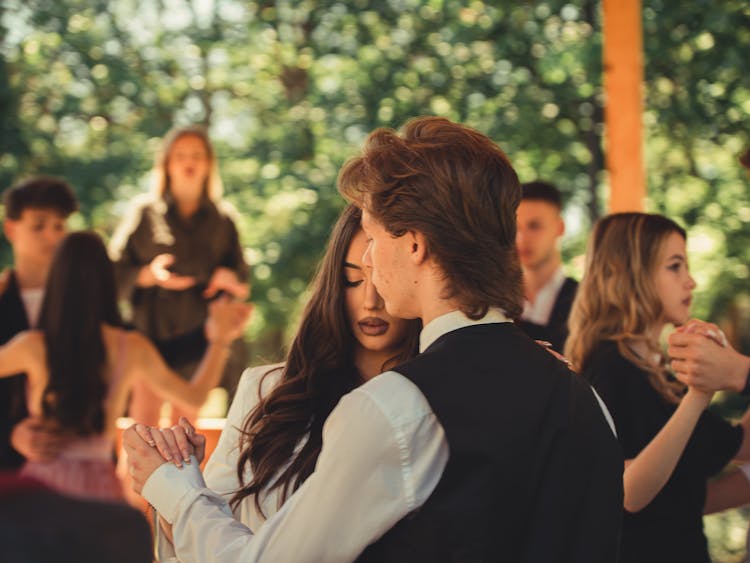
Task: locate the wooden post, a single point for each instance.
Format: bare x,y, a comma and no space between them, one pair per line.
623,78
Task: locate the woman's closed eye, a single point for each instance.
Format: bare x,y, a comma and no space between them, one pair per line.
352,283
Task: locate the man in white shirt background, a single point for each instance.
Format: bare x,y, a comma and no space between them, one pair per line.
548,294
484,447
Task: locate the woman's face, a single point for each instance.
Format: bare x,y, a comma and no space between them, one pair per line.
674,284
374,329
187,167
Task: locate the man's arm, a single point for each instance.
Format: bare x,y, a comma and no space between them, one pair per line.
378,463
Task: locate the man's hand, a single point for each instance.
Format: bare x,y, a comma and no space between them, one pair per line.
224,279
143,458
38,440
226,320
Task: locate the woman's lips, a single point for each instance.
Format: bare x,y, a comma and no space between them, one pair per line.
373,326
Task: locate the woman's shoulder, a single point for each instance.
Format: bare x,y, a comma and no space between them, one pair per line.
255,383
227,210
32,339
605,352
606,362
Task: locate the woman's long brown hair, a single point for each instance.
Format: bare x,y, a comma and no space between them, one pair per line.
80,295
617,298
319,370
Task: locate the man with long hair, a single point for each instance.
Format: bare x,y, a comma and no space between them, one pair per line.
484,447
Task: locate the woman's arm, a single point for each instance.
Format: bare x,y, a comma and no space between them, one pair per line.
225,323
649,471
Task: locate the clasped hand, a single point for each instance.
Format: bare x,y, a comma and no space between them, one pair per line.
701,357
149,447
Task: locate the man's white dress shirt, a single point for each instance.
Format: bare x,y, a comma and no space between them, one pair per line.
540,310
383,454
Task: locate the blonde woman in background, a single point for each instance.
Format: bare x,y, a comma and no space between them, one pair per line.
636,282
178,248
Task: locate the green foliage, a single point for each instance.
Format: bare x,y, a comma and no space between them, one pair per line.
290,88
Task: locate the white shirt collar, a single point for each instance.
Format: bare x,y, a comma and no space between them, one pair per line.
454,320
540,310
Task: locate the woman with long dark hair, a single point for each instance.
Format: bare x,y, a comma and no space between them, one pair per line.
273,434
81,363
636,282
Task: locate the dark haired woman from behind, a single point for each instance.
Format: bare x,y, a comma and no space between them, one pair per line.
273,434
80,365
636,281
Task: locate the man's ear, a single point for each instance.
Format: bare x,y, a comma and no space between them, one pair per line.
8,229
561,227
418,250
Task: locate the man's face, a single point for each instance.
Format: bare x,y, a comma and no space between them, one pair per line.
35,235
388,257
538,226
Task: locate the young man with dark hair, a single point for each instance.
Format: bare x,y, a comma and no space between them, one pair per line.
482,448
34,224
548,294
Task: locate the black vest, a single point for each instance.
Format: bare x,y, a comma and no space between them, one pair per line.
556,330
12,389
534,473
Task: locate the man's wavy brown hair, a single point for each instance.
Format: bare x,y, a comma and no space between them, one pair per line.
457,188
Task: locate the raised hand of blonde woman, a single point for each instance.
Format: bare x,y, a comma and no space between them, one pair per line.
157,273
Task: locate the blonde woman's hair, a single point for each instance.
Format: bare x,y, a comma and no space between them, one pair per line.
617,298
213,187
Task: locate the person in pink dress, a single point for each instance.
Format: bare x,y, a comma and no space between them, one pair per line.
80,365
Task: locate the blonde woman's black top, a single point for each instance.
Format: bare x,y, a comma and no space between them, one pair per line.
670,528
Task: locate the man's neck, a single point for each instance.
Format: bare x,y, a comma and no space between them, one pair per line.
534,279
30,276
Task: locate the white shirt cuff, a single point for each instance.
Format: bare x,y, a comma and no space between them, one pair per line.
168,485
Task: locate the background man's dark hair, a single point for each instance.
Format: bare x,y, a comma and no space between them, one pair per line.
39,192
541,191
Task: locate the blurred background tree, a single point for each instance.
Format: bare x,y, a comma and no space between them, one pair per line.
290,88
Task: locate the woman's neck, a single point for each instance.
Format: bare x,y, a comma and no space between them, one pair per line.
369,363
187,209
641,346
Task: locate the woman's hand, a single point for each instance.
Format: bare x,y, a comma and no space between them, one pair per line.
157,273
224,279
175,444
